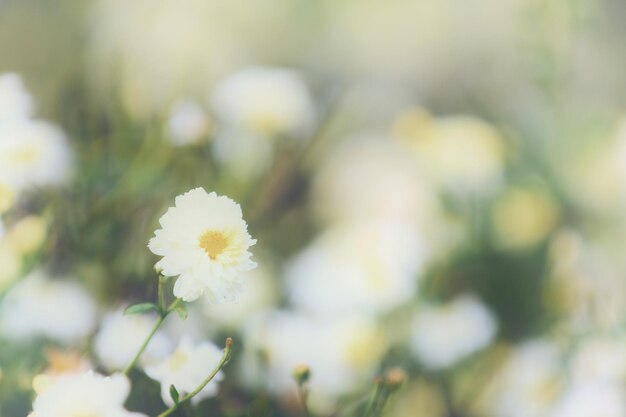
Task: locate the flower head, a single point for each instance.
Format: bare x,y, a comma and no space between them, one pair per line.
186,368
58,309
132,329
81,395
204,241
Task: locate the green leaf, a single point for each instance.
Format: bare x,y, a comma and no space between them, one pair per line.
142,308
174,394
181,310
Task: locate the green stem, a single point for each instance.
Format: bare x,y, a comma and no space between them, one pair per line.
302,395
208,379
156,326
378,401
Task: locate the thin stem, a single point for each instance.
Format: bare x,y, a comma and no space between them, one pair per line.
302,395
161,292
156,326
379,399
220,365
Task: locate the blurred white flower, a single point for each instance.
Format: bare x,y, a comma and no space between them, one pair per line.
352,181
443,335
267,101
186,368
592,400
120,337
343,353
188,123
204,241
362,267
80,395
15,102
599,359
259,294
33,153
531,381
463,153
38,305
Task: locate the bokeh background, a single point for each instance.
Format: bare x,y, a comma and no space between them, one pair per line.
435,185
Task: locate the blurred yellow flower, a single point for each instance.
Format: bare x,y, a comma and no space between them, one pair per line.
523,217
27,234
204,241
461,152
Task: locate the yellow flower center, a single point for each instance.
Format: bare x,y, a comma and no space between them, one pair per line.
177,360
213,243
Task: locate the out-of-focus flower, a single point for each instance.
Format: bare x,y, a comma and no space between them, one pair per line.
586,286
120,337
15,102
366,268
461,152
62,362
343,353
443,335
266,101
28,234
259,294
592,399
372,178
599,359
530,383
186,368
204,241
79,395
60,310
188,124
523,217
33,153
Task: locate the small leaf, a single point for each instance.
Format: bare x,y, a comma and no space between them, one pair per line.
174,394
142,308
181,310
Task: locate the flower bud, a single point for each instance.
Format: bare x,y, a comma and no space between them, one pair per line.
302,373
395,378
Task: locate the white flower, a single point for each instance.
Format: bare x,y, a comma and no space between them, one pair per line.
362,267
60,310
121,336
372,178
592,400
15,102
269,101
81,395
33,153
204,241
186,368
443,335
187,124
343,353
530,382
